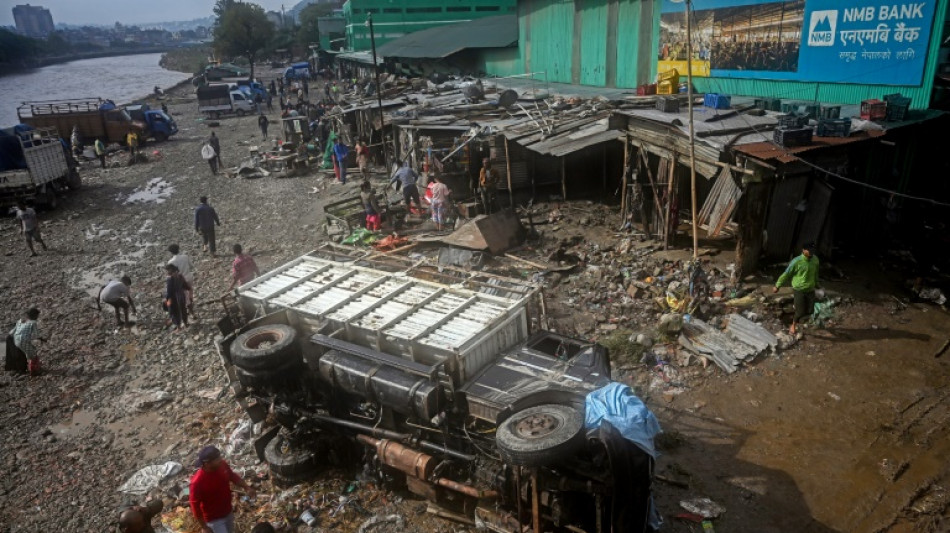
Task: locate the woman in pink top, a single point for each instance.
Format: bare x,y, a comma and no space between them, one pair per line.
440,197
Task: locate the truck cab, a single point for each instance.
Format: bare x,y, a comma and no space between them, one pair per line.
158,124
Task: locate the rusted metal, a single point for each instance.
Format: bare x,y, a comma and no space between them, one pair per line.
517,470
422,488
535,501
497,520
467,490
445,513
401,457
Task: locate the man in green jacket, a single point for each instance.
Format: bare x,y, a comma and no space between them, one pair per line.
803,274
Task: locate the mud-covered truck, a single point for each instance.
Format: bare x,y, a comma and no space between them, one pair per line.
437,383
34,166
221,99
96,119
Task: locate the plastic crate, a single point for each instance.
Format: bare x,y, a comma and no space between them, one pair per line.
646,90
665,87
873,110
793,136
897,109
717,101
768,104
789,107
830,111
834,127
792,121
668,104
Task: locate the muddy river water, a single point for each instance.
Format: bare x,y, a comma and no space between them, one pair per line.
121,79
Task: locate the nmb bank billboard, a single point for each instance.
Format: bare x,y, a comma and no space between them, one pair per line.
844,41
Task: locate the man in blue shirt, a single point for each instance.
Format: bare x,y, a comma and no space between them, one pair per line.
340,150
205,220
407,177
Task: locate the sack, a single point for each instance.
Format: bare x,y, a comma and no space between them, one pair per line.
15,360
207,152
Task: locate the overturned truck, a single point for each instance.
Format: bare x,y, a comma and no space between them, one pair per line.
436,380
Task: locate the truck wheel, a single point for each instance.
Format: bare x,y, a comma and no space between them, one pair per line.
266,347
289,463
240,112
283,378
49,200
161,137
541,434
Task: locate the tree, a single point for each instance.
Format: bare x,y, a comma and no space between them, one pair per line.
220,6
243,30
309,30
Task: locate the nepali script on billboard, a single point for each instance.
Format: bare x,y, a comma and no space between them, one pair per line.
844,41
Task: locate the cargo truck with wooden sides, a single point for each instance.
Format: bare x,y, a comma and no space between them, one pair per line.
34,166
96,119
440,382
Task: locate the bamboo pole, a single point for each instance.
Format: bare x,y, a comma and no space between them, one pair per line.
623,181
511,192
692,130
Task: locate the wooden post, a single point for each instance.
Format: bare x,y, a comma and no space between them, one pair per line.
623,182
564,177
603,166
671,169
535,501
511,192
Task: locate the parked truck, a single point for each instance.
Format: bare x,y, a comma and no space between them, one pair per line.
439,382
221,99
96,119
158,125
34,166
253,88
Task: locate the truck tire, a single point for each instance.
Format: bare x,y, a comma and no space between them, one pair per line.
161,136
283,378
240,112
540,435
266,347
289,463
73,180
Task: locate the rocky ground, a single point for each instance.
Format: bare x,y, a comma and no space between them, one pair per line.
846,431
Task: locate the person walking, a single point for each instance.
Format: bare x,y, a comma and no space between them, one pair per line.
216,145
132,139
176,301
24,333
29,226
118,294
439,201
243,269
340,150
406,177
100,148
183,263
362,159
210,492
262,123
803,274
488,185
207,153
206,218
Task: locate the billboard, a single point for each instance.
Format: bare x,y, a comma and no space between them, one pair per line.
837,41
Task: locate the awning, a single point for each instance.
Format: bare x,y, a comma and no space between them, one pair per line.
442,41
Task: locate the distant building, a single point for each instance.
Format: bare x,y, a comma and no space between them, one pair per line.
33,21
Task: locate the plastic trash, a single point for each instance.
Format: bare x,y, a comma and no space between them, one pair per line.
149,477
239,438
704,507
616,404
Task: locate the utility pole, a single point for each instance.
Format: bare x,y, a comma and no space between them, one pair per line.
692,130
379,93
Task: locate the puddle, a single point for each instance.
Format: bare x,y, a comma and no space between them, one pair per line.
157,190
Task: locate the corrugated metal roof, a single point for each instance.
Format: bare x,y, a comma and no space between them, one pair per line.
365,58
768,150
443,41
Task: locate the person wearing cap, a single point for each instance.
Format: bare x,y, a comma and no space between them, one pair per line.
138,518
802,272
210,492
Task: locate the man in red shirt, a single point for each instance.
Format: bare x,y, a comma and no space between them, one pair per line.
210,493
243,269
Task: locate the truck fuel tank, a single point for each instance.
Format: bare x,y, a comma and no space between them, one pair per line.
405,393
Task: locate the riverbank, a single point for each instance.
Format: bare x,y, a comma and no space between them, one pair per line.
7,69
188,60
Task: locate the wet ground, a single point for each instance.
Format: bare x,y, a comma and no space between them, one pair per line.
847,431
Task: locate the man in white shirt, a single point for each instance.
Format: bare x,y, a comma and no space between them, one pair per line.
186,268
117,294
29,226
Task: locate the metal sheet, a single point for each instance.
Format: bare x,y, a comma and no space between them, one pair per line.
783,215
442,41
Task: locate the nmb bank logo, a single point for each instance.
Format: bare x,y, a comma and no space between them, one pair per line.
821,28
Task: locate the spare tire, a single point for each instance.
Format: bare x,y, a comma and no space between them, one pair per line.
287,462
266,347
540,435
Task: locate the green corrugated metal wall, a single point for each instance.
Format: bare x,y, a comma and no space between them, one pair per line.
502,61
548,46
593,42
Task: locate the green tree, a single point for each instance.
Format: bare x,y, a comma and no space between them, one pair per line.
220,6
16,49
309,31
243,30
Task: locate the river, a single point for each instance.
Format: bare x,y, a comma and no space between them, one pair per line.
120,78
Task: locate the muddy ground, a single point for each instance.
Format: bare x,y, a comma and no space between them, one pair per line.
846,431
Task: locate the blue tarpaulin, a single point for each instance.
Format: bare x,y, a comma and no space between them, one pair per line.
617,405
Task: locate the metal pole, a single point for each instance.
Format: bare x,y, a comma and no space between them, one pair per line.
379,94
692,131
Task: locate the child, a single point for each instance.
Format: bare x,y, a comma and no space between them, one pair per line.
23,334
